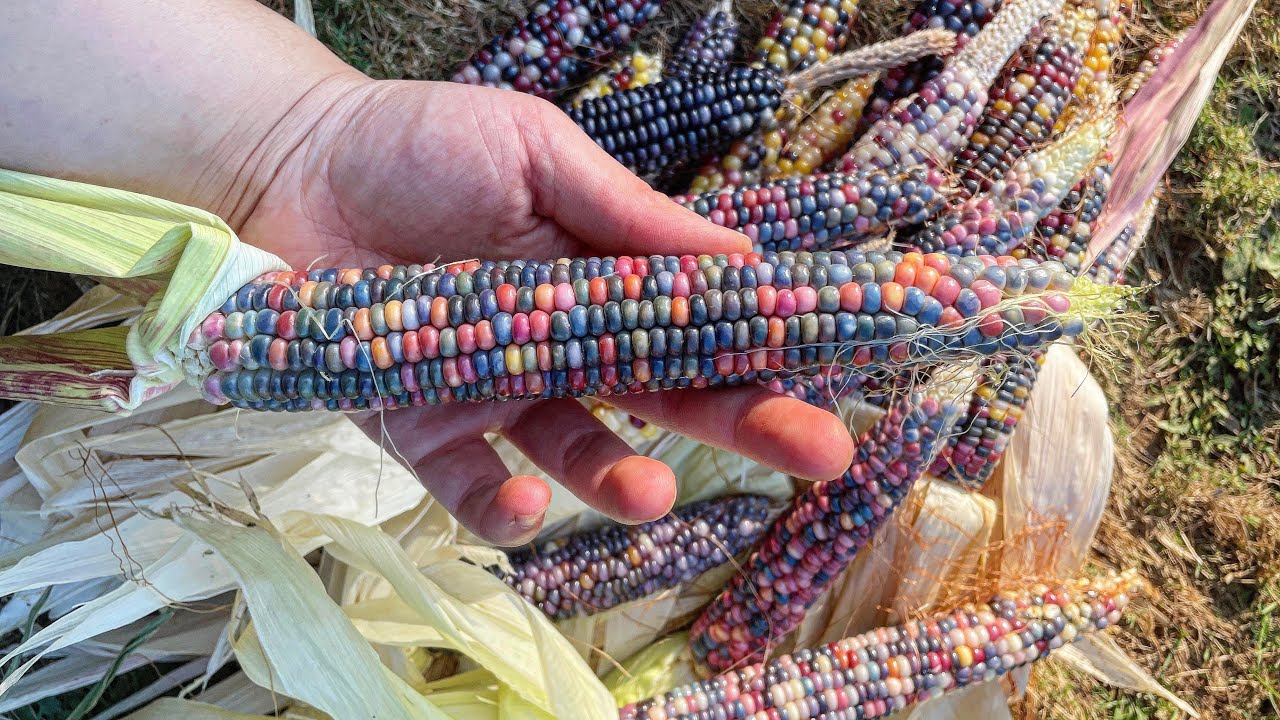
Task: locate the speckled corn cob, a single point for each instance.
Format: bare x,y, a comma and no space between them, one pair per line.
964,17
662,126
708,45
801,34
635,69
1094,87
823,211
1027,99
889,669
594,570
394,336
931,126
981,436
1001,219
557,44
814,541
1154,58
1109,267
1064,234
827,132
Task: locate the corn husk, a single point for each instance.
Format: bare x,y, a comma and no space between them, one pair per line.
190,256
1158,120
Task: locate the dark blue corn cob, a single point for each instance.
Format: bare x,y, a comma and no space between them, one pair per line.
665,125
594,570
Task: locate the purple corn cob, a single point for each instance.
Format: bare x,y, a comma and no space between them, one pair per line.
709,44
595,570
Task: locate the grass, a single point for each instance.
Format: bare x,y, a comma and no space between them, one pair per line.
1196,393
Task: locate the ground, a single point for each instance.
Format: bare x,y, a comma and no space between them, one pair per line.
1195,391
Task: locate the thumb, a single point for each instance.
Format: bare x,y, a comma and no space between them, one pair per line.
600,202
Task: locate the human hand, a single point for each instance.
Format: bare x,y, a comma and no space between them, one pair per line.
416,172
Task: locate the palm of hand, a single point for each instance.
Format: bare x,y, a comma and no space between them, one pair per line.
418,172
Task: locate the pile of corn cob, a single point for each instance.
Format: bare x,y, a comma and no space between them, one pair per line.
933,212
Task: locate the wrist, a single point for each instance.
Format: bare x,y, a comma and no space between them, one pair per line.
269,158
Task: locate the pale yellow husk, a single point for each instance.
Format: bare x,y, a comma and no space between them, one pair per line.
191,255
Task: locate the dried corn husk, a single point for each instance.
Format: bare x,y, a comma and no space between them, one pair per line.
191,255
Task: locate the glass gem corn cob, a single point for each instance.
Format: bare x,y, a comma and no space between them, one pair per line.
594,570
560,42
811,544
883,671
394,336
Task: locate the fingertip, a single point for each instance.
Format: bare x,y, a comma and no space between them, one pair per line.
523,501
638,489
811,443
831,447
525,496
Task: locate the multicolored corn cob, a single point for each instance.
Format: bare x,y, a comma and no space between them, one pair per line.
1064,234
964,17
558,43
804,33
1003,218
931,126
1027,99
982,434
394,336
594,570
824,211
661,126
1109,267
1095,87
709,44
889,669
813,542
801,34
825,133
1155,57
635,69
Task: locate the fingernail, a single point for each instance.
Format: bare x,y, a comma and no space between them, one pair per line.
528,522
